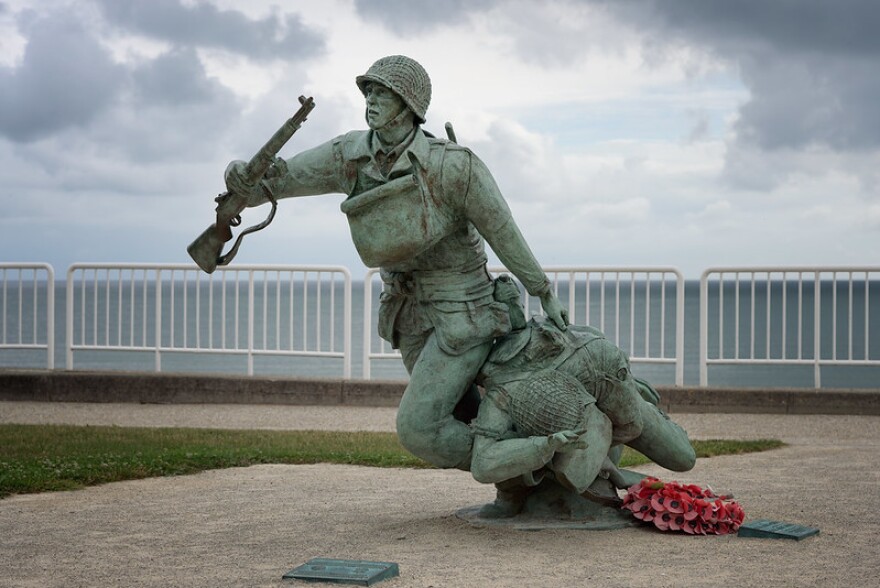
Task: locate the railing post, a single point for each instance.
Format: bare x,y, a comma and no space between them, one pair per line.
679,328
50,317
704,328
346,328
68,294
368,321
817,330
158,320
250,348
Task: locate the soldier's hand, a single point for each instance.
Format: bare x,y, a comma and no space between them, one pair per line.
566,441
277,169
554,310
236,183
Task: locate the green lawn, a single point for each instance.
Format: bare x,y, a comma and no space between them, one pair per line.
39,458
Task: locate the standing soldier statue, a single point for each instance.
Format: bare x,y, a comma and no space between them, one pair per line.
420,209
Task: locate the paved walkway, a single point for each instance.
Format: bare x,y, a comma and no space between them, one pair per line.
247,526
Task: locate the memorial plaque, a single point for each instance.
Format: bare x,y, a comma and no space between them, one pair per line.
343,571
776,530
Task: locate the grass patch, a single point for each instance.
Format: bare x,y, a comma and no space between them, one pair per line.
709,448
40,458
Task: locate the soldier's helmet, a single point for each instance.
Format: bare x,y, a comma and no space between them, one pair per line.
608,363
547,402
405,77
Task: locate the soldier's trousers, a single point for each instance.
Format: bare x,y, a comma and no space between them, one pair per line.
438,381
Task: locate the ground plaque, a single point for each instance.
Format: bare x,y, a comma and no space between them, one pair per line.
776,530
343,571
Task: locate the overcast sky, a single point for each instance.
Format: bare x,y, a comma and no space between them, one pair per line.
630,133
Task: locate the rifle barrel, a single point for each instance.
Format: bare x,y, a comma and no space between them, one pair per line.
260,162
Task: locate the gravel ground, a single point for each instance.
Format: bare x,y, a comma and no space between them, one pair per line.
248,526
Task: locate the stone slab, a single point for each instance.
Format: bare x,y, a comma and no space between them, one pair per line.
767,529
343,571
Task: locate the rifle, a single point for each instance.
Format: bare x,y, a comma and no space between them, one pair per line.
207,248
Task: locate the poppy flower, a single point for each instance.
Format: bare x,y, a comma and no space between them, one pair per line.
693,489
658,502
677,522
662,520
694,527
690,511
736,513
642,510
703,507
646,488
676,503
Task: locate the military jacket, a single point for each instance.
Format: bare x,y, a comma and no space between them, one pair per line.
423,222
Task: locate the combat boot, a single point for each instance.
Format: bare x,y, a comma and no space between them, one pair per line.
510,498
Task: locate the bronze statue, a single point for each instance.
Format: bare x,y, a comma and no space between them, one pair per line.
559,400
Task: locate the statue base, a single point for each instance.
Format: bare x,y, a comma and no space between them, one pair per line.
550,506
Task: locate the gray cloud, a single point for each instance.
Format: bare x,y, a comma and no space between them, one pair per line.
191,127
204,25
844,27
176,77
810,64
165,109
65,79
534,26
797,103
405,17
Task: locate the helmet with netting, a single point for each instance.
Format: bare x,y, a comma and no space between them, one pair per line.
405,77
607,364
547,402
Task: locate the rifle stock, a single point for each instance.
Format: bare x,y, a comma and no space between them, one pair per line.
207,248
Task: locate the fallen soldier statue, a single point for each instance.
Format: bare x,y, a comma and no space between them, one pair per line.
559,404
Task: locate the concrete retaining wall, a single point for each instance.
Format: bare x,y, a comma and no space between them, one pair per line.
83,386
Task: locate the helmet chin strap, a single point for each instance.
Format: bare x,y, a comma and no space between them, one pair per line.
395,123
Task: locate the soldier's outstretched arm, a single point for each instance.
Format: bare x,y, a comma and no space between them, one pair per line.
315,171
490,214
497,458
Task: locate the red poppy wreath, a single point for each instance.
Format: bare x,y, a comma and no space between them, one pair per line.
671,506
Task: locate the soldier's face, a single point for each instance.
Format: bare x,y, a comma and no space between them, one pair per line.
382,105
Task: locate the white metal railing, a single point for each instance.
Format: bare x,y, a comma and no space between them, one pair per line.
640,309
27,295
810,316
246,310
759,316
